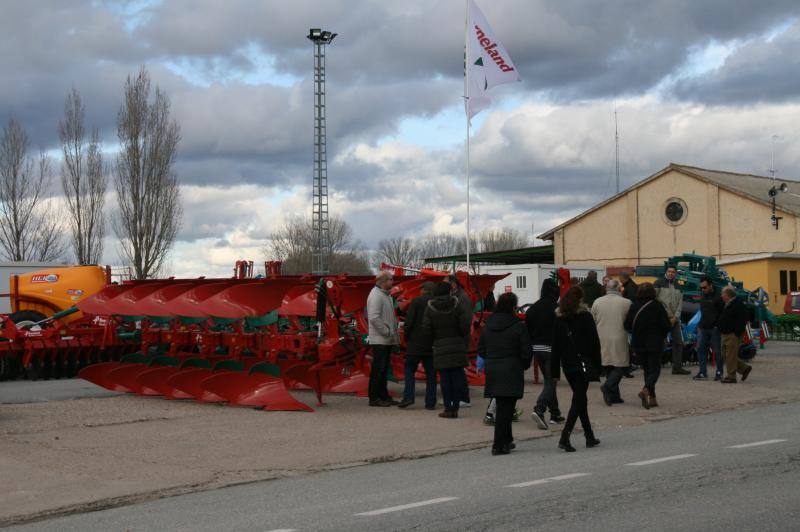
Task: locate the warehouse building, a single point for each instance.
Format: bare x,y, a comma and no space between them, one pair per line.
683,209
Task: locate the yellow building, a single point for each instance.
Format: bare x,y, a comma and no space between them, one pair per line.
684,209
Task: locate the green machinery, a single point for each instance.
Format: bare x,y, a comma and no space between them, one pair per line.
693,268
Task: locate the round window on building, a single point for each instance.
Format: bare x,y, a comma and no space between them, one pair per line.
675,211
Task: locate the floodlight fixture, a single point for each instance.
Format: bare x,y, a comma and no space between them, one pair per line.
320,36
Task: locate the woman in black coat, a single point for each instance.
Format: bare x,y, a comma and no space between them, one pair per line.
444,322
577,346
649,324
506,347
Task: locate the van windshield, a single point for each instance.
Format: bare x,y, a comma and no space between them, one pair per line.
796,301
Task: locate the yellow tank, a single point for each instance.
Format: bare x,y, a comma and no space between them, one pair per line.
52,290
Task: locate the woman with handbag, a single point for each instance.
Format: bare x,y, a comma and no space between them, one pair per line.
648,323
576,346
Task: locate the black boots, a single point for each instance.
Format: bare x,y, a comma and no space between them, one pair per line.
564,443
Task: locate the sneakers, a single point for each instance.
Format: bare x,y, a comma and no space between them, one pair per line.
717,377
700,377
380,402
449,414
464,404
517,413
728,380
488,419
746,373
557,418
405,403
680,371
538,418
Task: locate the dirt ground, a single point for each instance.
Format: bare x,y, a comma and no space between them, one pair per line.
71,456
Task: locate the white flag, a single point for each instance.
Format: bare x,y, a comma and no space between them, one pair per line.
487,63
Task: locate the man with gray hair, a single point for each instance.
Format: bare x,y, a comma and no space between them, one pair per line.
382,338
732,324
609,312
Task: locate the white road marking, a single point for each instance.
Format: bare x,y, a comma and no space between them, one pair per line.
546,480
659,460
755,444
408,506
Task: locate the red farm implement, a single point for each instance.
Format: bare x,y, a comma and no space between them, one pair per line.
239,341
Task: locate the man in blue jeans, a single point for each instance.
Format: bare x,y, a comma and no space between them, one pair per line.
711,306
419,348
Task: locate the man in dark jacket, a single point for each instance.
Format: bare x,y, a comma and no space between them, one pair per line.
732,324
591,288
505,346
444,322
419,348
711,306
629,288
466,305
539,319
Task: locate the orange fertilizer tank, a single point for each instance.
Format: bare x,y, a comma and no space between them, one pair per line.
52,290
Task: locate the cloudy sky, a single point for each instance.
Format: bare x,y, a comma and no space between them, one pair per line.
700,82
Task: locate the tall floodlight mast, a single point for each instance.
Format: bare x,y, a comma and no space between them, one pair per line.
319,215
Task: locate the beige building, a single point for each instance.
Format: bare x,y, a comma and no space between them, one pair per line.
684,209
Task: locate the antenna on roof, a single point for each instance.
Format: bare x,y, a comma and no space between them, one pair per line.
774,139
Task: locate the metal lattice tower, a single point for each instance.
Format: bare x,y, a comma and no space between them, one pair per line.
319,215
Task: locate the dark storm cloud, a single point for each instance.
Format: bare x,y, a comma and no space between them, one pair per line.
569,49
762,70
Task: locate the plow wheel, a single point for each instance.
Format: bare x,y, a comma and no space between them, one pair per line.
261,387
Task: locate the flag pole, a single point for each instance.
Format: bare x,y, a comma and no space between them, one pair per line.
466,96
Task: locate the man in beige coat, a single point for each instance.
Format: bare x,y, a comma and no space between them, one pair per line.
609,313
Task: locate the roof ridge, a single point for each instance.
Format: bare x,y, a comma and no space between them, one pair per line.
687,166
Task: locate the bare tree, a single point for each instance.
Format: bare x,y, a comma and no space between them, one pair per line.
294,241
29,225
501,239
438,245
398,250
147,188
84,182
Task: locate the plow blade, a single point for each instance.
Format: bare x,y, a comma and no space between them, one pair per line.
262,388
98,374
356,382
126,376
155,379
189,382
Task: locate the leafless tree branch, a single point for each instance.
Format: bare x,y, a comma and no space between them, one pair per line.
147,188
84,182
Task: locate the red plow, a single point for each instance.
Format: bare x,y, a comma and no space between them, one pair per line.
244,342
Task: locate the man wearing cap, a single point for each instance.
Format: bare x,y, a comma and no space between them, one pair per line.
419,348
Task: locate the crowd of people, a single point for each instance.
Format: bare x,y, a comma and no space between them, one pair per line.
592,330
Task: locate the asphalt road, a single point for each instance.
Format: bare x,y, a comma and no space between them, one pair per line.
736,470
23,391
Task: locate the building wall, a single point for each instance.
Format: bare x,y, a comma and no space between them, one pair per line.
632,230
765,273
